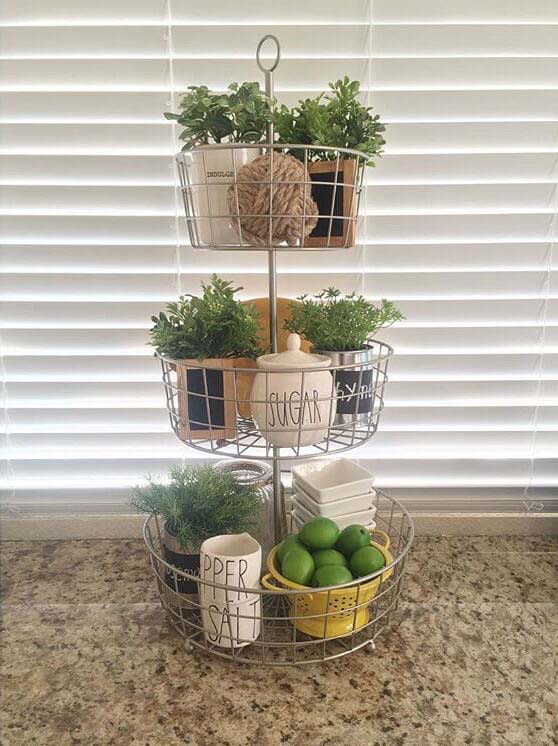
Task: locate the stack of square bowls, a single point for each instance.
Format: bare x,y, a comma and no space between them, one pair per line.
339,489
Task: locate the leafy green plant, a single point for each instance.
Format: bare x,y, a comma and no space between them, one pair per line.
199,502
331,322
336,119
242,115
214,325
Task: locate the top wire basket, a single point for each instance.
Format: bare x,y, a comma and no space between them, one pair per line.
258,197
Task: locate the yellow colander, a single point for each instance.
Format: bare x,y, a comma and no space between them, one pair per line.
330,613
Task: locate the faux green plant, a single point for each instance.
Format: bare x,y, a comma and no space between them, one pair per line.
213,325
332,322
336,119
241,115
199,502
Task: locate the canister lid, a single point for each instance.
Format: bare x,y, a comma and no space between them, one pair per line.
293,357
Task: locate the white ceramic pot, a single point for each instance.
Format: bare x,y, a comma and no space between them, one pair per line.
293,407
233,560
231,617
210,173
229,625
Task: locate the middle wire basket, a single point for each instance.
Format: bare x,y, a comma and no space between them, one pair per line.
271,196
230,407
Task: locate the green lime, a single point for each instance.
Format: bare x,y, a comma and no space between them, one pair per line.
319,533
331,575
298,566
324,557
352,538
290,541
365,561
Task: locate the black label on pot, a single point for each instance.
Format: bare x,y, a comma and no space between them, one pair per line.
355,391
190,563
324,195
198,406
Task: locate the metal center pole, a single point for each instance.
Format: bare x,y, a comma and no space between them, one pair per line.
279,505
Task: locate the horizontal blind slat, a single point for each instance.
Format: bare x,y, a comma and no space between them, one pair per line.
428,313
121,169
425,106
406,138
403,367
379,199
135,259
422,228
306,73
518,284
504,419
312,40
389,472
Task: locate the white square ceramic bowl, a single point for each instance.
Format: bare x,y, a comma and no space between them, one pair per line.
365,518
333,479
356,504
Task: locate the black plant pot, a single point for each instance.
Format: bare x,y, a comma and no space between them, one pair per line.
175,555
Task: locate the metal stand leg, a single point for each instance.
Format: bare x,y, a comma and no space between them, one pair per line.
278,502
279,506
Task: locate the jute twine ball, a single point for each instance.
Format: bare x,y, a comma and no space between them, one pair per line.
249,199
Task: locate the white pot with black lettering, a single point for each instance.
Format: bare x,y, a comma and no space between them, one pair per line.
354,385
293,407
209,174
231,616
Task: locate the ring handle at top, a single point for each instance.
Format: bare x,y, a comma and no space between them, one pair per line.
277,54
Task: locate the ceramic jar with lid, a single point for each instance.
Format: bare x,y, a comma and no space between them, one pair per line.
293,402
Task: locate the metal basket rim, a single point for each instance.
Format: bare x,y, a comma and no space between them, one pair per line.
196,364
285,591
357,154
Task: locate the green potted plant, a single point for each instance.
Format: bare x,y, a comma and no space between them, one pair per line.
340,326
206,337
240,115
196,503
336,119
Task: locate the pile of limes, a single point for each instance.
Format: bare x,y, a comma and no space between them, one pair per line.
321,555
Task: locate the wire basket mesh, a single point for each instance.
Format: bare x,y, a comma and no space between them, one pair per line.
267,629
229,406
254,196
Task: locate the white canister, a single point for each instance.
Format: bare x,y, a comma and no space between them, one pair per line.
233,560
293,407
230,617
232,625
210,173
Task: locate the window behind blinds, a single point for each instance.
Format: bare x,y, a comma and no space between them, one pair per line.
460,218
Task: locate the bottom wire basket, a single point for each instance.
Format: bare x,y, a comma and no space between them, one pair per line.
278,625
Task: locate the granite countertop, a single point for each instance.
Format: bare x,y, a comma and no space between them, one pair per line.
89,659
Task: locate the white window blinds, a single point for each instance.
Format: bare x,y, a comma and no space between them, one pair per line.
460,220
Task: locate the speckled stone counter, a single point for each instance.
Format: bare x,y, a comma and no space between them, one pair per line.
89,659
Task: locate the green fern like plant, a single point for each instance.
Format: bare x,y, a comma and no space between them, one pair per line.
199,502
213,325
336,119
241,115
333,323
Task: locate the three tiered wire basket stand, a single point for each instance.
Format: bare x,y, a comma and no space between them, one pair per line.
231,408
